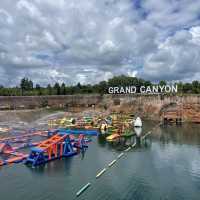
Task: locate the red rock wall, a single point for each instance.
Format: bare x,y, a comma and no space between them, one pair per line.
148,106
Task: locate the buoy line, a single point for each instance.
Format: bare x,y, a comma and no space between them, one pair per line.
101,172
120,155
111,164
129,148
133,145
83,189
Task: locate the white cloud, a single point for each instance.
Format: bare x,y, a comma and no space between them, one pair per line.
107,46
195,31
5,17
89,41
176,59
31,9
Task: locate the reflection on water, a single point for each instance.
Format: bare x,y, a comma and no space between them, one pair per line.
185,134
52,168
164,166
138,131
122,143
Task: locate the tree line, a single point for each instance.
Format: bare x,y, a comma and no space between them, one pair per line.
28,88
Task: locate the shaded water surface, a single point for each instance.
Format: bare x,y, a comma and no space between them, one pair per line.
166,166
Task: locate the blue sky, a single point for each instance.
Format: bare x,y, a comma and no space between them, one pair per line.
90,40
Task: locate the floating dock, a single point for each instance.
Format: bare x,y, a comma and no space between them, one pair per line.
73,132
40,133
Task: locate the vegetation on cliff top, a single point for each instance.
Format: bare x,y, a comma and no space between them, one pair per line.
28,88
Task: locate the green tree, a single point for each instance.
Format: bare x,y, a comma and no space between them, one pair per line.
196,87
26,85
38,89
180,87
102,87
57,88
187,88
29,84
63,89
162,82
49,89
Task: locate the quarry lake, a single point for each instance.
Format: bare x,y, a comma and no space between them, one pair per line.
166,166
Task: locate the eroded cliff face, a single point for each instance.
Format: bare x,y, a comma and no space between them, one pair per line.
153,107
191,112
157,107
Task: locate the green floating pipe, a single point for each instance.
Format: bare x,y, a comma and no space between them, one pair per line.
83,189
112,163
133,145
129,148
120,155
100,173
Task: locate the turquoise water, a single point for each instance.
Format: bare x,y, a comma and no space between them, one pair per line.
166,166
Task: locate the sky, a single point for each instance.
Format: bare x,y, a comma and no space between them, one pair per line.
89,41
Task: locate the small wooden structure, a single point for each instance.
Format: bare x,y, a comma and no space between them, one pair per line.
172,116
